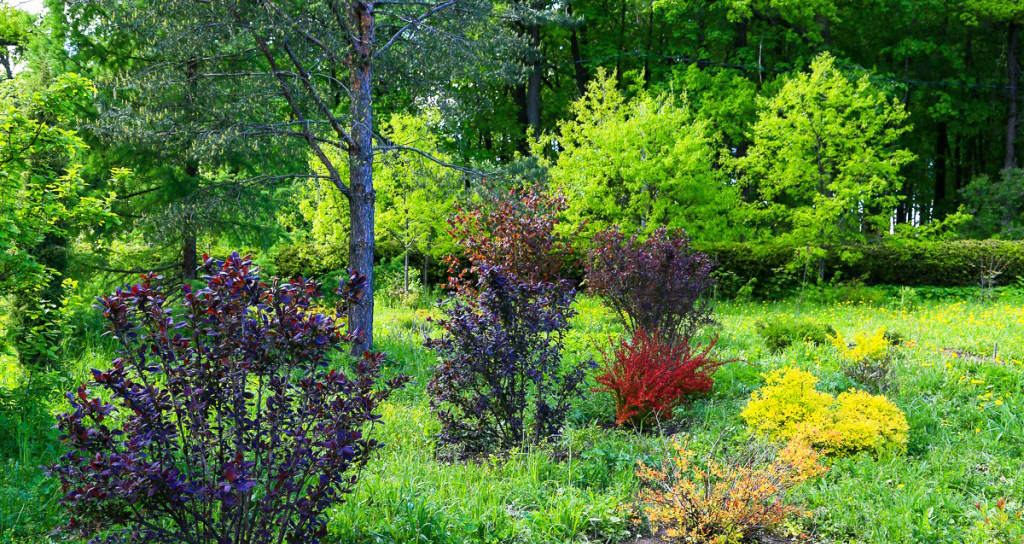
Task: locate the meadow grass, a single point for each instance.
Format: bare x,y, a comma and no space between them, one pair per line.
962,402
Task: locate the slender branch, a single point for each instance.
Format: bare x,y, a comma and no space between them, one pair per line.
428,156
430,12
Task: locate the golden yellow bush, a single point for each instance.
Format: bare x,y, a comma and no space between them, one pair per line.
869,346
866,422
786,401
789,407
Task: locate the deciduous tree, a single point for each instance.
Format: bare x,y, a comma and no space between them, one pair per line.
825,159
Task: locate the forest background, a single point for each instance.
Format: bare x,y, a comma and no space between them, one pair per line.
803,140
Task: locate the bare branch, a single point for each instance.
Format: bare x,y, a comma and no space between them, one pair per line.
436,8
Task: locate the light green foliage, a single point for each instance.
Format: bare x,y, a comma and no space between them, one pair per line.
15,31
642,163
724,97
825,159
41,205
414,194
999,10
414,197
40,186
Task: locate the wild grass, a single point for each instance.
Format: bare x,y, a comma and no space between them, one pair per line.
958,377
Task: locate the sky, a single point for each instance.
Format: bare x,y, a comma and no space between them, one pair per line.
31,6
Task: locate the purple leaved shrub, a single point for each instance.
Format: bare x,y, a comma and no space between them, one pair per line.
220,423
659,284
501,381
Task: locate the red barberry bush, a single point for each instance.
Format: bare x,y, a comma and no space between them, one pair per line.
649,376
220,422
658,284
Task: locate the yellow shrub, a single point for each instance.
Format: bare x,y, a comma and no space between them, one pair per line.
866,422
870,346
789,407
785,402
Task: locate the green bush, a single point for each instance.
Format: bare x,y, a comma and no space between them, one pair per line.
779,335
940,264
295,260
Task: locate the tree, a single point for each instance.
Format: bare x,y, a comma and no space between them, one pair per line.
415,196
15,28
41,203
996,206
642,163
302,71
1011,13
824,161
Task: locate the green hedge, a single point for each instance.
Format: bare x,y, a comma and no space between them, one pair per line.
940,264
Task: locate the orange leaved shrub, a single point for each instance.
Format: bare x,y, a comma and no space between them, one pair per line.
700,499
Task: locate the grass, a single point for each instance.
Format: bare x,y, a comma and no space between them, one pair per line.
966,441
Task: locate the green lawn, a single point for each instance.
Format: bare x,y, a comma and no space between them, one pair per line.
964,455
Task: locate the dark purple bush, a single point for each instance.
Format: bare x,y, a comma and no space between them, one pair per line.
501,381
658,284
223,424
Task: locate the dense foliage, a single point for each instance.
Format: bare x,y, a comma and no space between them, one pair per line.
820,157
501,381
789,407
643,163
221,424
518,232
782,333
43,202
957,263
657,284
648,376
705,498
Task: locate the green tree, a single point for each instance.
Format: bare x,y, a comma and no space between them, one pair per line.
825,160
308,73
41,205
996,206
642,163
15,30
414,198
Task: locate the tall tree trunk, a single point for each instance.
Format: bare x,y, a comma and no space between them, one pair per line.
533,82
825,27
189,259
939,179
1013,78
5,59
579,71
361,196
941,151
426,263
405,268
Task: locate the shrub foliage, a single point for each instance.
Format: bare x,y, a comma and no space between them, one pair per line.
223,424
789,407
517,233
501,381
698,498
780,334
649,377
658,284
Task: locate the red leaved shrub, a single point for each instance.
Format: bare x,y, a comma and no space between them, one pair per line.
649,376
517,231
